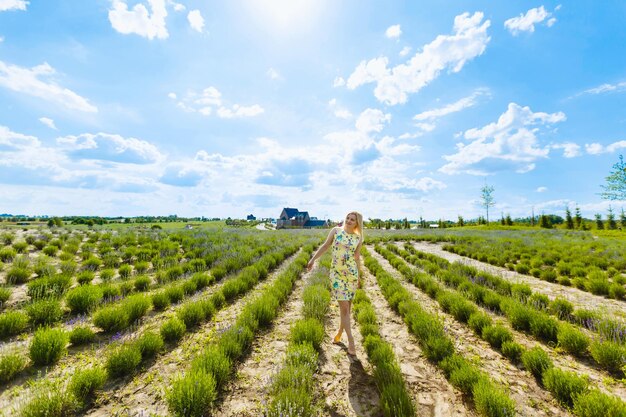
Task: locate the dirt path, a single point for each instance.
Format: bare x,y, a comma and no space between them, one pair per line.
531,400
144,395
580,299
432,394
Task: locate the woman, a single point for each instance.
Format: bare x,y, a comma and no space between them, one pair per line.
346,242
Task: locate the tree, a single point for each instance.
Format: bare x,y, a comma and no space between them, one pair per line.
486,196
611,224
622,219
615,188
544,221
599,222
508,220
405,224
578,218
569,221
461,222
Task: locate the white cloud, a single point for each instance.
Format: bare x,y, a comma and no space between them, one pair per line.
570,150
138,20
451,108
209,101
508,144
239,111
372,120
48,122
393,32
426,127
6,5
542,189
196,21
405,51
273,74
526,22
173,96
177,6
605,88
339,82
108,147
27,81
450,52
14,140
596,148
1,38
343,113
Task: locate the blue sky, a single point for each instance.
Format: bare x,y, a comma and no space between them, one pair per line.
395,109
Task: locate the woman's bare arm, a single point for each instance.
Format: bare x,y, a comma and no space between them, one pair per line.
323,248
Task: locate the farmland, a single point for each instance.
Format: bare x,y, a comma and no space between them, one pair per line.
228,322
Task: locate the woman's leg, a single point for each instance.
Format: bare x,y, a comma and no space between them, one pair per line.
344,309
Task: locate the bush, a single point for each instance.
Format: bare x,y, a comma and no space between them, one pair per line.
81,335
536,361
189,287
142,267
7,254
5,294
292,402
123,360
173,330
544,327
125,271
512,350
17,275
149,344
617,291
192,395
174,272
572,340
142,283
92,263
565,386
598,286
47,346
496,335
561,308
609,355
202,280
521,292
519,315
491,401
86,381
175,293
302,354
437,347
548,275
309,331
465,376
478,321
10,365
192,314
136,306
107,274
160,301
594,403
50,250
522,268
538,301
12,323
235,340
213,361
111,319
44,312
49,402
83,299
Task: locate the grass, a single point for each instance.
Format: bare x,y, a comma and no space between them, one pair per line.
173,330
12,323
83,299
44,312
48,346
192,395
565,386
122,360
213,361
10,365
85,382
594,403
536,361
307,331
81,335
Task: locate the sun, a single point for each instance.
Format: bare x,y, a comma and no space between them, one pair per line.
286,16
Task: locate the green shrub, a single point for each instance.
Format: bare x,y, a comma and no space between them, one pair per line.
521,292
594,403
175,293
10,365
107,274
292,402
235,341
478,321
231,289
512,350
564,281
160,300
191,313
548,275
522,268
44,312
617,291
213,361
561,308
85,277
201,279
125,271
496,335
81,335
572,340
316,301
520,315
292,376
173,330
149,344
83,299
263,309
192,395
586,318
609,355
492,301
544,327
189,287
50,250
12,323
49,402
136,306
68,268
122,360
302,354
48,346
17,275
174,272
465,376
142,267
85,382
5,294
538,301
536,361
598,286
437,347
308,330
142,283
491,400
565,386
92,263
109,292
111,319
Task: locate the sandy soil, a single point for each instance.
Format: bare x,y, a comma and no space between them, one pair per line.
579,298
530,398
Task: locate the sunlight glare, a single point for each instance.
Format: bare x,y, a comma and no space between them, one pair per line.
286,16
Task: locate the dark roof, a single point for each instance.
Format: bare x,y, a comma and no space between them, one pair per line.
315,223
291,212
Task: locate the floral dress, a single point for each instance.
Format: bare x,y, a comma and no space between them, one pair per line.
344,274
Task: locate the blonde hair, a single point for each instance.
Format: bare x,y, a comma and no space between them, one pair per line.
359,223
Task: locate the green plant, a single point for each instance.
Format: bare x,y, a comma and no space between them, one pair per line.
302,354
491,400
213,361
10,365
142,283
84,298
512,350
175,293
496,335
478,321
572,340
81,335
48,346
609,355
136,306
561,308
191,313
86,381
85,277
309,331
111,319
149,344
49,402
18,275
173,330
594,403
44,312
12,323
565,386
5,294
537,361
160,300
122,360
125,271
107,274
292,402
192,395
617,291
544,327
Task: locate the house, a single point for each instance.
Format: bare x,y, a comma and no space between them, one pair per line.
294,218
251,217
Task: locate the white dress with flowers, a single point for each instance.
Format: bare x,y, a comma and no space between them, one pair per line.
344,274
